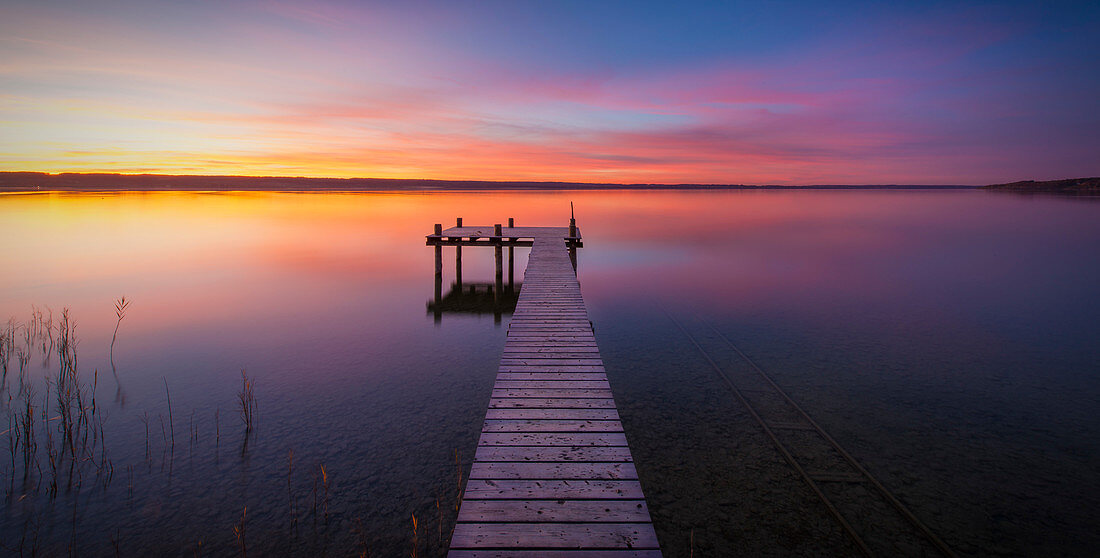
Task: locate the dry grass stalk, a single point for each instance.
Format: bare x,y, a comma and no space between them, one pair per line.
247,400
238,531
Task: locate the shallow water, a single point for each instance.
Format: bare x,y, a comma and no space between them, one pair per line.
945,338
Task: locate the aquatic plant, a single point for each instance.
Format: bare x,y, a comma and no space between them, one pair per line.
247,399
238,531
171,424
120,312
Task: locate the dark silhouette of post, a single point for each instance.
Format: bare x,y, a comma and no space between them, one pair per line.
458,259
438,274
572,238
511,257
499,285
572,222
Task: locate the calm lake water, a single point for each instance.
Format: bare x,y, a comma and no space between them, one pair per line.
947,339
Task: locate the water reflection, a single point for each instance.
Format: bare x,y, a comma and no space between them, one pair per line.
946,339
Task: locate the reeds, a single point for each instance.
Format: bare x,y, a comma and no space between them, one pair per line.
171,423
415,537
120,312
238,531
247,399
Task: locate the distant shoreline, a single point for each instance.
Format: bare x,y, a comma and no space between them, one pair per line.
109,182
1065,186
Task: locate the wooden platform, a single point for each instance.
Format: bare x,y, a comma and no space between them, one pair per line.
509,236
552,475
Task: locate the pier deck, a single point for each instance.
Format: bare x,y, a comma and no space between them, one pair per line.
552,475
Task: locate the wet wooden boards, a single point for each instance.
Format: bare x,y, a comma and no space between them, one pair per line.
552,475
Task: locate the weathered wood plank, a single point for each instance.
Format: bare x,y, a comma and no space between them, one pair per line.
553,453
550,376
544,361
551,384
552,439
544,349
554,535
526,356
546,368
551,425
552,393
559,414
594,511
544,553
547,403
485,489
564,470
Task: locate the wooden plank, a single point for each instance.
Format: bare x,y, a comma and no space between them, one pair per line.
547,403
554,535
544,553
549,376
552,439
485,489
594,511
548,368
551,384
564,470
559,414
553,393
556,356
551,425
545,361
553,453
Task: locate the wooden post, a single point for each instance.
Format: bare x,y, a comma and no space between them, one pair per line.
573,257
458,266
438,314
458,222
511,268
572,222
500,268
511,222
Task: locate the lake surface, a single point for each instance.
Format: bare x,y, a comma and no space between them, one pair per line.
947,339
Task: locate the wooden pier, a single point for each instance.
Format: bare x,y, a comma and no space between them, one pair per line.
552,475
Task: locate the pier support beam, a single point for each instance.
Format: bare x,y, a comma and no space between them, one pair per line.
498,289
438,274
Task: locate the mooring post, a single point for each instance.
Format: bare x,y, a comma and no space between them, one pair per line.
458,266
498,252
572,222
458,257
511,258
438,274
511,268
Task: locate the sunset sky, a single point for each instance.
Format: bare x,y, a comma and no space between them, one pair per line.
756,93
